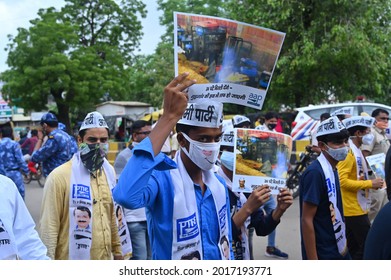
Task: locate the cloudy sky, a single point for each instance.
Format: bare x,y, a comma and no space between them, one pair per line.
18,13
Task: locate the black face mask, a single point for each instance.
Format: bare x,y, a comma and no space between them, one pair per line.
92,156
271,126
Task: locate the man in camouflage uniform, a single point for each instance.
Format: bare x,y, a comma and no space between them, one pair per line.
56,150
11,158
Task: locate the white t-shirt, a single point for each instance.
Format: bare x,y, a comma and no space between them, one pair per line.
17,226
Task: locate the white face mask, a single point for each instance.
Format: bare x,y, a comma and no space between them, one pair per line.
367,139
338,154
204,155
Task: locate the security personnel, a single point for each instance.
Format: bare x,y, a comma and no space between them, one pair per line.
56,150
12,159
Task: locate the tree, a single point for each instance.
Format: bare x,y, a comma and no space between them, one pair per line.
76,56
332,48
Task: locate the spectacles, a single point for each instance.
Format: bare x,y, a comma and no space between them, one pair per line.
143,132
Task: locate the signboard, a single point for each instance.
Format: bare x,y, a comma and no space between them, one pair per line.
5,110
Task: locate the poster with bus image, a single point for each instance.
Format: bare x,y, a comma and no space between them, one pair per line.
233,62
261,157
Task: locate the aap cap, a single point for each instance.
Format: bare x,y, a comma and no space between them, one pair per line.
358,121
93,120
48,117
205,114
330,126
343,111
239,119
227,139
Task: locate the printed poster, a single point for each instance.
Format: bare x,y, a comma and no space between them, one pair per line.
262,157
233,62
377,163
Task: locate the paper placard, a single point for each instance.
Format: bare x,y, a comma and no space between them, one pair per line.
262,157
233,62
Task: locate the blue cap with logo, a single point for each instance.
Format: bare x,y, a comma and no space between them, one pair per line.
48,117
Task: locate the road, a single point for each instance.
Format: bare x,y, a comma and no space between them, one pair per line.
288,233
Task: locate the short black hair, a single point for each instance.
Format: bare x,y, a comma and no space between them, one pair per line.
84,209
191,255
51,123
271,115
137,125
184,128
34,132
7,132
334,137
353,129
378,111
325,116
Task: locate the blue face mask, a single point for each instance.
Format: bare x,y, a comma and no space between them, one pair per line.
227,159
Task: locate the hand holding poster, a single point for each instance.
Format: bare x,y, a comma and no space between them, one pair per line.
233,62
377,163
262,157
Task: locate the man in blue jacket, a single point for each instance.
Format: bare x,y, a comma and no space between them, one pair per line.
187,204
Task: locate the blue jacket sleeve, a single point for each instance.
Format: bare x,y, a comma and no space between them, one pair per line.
46,151
137,187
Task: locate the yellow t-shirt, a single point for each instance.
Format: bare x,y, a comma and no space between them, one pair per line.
350,185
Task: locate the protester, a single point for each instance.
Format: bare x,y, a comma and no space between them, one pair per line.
314,142
86,180
343,113
246,212
380,144
136,219
241,121
56,150
17,228
271,250
355,185
12,159
187,203
322,225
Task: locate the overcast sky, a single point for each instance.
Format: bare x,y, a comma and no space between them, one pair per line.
18,13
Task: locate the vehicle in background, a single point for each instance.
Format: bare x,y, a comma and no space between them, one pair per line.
308,117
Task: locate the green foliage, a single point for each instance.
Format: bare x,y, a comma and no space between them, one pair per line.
75,56
333,48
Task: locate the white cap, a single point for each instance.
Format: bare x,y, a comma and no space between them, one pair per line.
227,139
343,111
239,119
358,121
205,114
93,120
330,126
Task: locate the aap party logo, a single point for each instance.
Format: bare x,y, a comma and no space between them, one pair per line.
81,191
187,228
254,99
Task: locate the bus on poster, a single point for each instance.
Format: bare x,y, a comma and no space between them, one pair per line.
261,157
233,62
